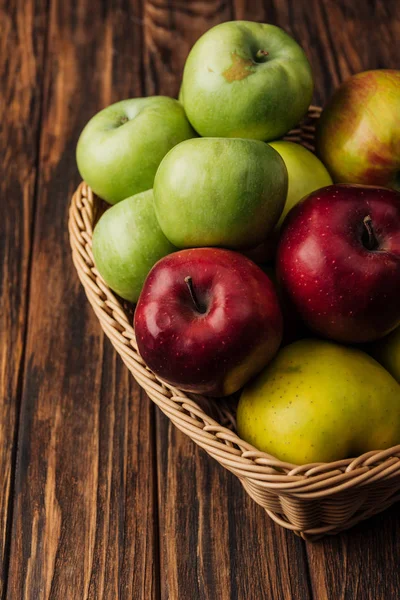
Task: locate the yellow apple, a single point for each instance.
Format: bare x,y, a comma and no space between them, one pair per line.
318,401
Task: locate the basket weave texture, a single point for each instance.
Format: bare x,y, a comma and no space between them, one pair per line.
312,500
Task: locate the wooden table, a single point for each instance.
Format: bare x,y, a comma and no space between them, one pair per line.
100,497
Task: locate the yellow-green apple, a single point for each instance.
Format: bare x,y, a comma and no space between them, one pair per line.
245,79
207,320
338,261
127,242
306,173
120,148
387,352
318,402
219,192
359,131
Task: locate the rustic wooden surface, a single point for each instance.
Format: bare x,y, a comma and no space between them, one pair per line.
100,497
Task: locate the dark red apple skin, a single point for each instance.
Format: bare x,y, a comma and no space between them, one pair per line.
341,289
217,352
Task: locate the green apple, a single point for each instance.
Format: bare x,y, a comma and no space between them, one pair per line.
319,402
387,352
306,173
358,137
127,242
120,148
219,192
245,79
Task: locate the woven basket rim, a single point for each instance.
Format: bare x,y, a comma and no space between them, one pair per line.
313,480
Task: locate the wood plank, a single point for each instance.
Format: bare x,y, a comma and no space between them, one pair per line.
215,542
22,45
85,514
361,563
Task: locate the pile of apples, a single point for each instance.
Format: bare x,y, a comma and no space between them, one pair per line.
203,189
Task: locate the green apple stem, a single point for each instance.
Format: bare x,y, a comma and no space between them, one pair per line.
197,305
371,243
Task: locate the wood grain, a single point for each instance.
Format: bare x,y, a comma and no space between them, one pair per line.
22,43
361,563
85,521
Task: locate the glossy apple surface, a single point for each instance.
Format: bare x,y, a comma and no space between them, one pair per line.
210,333
245,79
120,148
359,131
318,401
219,192
127,242
339,261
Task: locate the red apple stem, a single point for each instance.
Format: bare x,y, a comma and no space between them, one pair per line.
371,242
197,305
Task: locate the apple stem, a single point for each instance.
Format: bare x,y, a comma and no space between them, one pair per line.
261,53
372,242
189,283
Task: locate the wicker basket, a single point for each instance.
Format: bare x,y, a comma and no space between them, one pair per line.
312,500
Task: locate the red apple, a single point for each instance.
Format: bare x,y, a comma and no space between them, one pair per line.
339,261
207,320
358,137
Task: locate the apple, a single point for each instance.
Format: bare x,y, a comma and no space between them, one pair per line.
306,173
339,261
127,242
219,192
207,320
387,352
359,132
120,148
245,79
319,402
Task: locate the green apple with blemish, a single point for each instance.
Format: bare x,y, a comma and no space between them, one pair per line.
246,79
127,242
120,148
318,401
219,192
